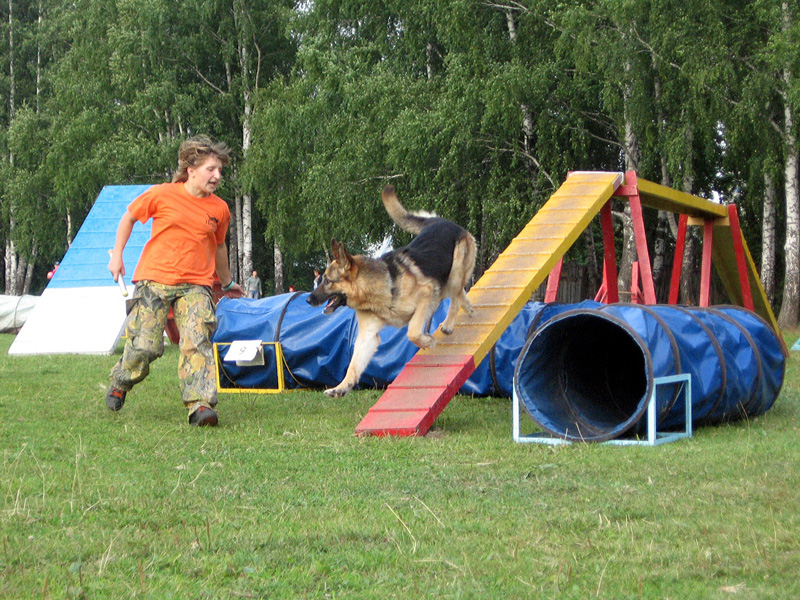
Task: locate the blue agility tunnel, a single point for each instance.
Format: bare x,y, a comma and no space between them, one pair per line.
317,347
587,373
582,371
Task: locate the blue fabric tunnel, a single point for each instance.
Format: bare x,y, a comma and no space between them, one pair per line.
587,373
582,371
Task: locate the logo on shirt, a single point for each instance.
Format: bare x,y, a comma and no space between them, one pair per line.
212,223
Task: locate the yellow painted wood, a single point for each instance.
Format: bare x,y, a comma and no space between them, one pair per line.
724,259
661,197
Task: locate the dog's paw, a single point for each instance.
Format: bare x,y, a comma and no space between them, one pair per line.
336,392
426,341
447,329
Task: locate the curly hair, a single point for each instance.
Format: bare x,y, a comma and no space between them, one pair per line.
195,151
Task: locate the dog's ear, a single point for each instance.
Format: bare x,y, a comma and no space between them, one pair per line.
340,254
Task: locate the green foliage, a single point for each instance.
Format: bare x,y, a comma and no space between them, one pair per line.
475,110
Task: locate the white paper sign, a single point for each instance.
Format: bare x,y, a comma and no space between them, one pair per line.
245,353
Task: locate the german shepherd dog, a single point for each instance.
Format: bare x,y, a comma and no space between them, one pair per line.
403,287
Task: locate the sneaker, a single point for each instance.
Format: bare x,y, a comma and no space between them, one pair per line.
115,398
203,416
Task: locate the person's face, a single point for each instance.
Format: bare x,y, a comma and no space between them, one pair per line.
204,179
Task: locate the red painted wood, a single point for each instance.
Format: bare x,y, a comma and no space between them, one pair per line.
553,279
741,261
609,255
395,423
677,260
642,252
418,395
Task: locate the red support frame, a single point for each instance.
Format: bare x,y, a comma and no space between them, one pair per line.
705,269
553,280
741,261
645,271
677,261
642,274
609,293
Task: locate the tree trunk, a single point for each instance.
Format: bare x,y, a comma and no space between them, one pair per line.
278,258
768,234
69,229
11,267
11,272
689,284
790,305
239,245
233,241
660,262
591,260
26,285
624,275
660,274
788,316
246,232
248,82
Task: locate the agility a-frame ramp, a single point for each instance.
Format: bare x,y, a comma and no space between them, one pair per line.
413,401
82,311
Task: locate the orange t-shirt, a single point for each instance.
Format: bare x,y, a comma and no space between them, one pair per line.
184,237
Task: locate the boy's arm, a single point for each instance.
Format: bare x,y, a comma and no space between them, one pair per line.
115,264
224,273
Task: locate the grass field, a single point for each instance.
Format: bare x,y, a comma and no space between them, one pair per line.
283,501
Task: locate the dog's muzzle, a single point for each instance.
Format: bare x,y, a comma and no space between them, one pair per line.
334,301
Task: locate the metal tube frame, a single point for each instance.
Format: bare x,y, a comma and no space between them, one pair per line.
654,437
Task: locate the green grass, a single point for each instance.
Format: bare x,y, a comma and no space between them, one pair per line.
283,501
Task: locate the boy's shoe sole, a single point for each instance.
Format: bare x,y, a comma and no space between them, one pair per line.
115,398
203,416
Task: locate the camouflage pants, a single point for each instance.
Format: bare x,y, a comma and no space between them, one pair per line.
193,311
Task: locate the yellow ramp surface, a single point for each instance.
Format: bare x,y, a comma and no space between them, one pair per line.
507,285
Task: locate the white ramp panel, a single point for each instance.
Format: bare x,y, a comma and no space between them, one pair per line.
85,320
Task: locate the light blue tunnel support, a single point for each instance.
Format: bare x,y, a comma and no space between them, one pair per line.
655,435
587,373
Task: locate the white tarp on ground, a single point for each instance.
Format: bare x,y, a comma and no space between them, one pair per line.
14,311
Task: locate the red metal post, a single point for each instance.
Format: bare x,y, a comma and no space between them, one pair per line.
609,255
645,270
741,262
677,261
705,270
553,279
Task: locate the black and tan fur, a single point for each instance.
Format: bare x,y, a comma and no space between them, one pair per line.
403,287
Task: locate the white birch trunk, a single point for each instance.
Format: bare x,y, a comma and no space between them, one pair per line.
788,316
689,285
28,279
235,254
629,254
11,268
278,265
768,237
662,227
246,233
790,305
246,230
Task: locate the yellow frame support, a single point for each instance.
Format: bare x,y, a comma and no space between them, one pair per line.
279,361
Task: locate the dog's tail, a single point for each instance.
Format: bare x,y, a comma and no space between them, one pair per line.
412,222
